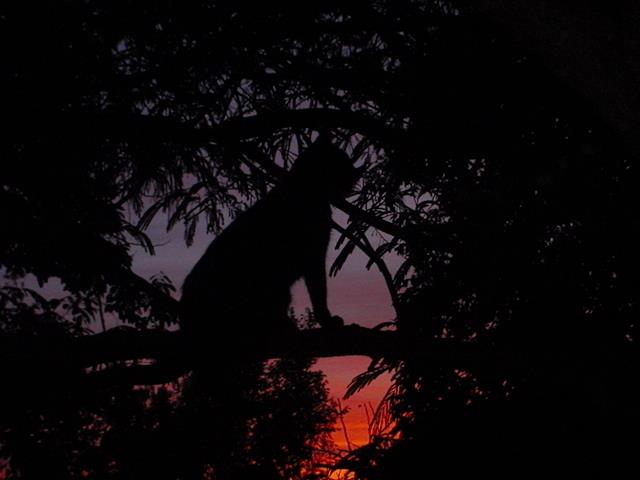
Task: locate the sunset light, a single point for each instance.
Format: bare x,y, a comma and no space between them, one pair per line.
320,240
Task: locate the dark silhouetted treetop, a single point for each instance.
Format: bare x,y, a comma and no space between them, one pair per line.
497,144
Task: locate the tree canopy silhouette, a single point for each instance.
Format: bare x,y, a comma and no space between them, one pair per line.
496,168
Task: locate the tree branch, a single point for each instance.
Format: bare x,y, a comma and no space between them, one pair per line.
131,357
371,219
365,246
240,128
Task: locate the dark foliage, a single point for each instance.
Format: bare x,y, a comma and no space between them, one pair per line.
509,199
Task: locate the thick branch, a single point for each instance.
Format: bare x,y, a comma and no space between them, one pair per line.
128,356
249,127
128,344
37,369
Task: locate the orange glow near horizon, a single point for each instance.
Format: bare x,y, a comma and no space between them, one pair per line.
340,371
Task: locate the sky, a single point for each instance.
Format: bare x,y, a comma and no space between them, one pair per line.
356,294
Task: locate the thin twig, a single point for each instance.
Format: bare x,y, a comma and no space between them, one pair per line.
365,246
344,426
